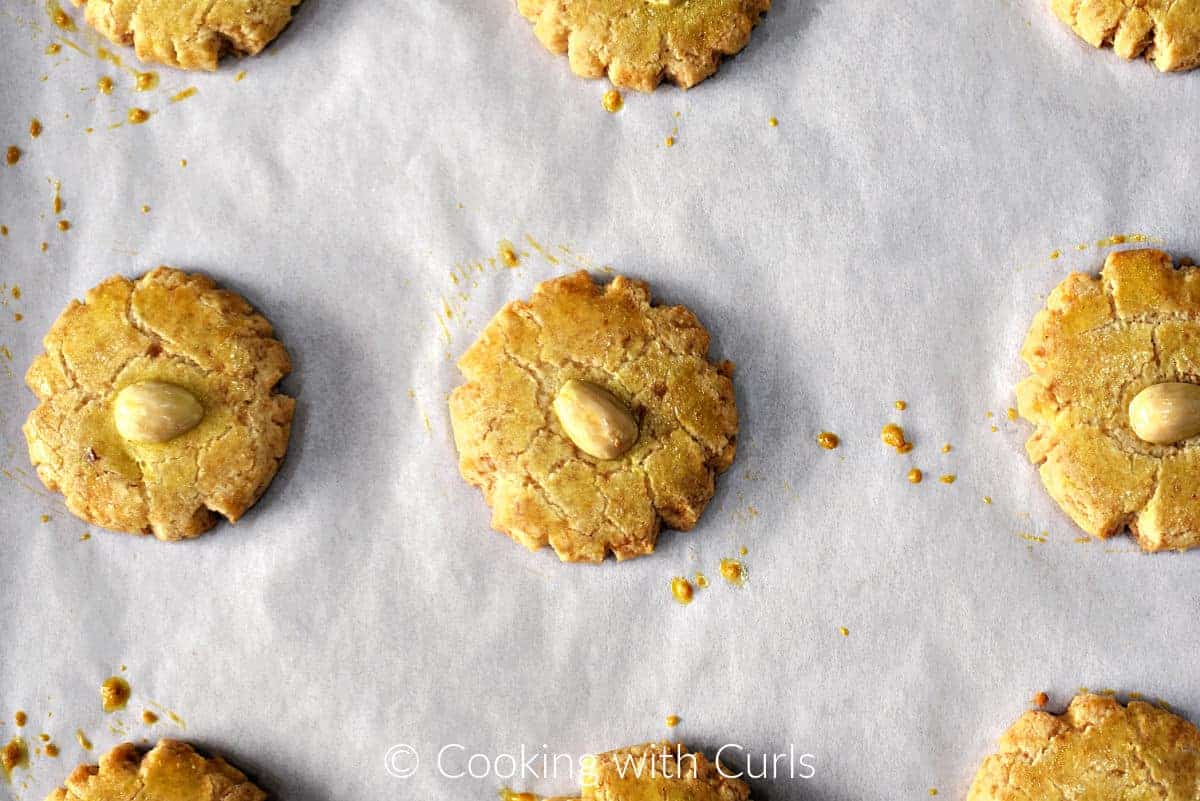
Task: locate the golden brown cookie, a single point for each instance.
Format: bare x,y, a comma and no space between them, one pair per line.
1097,749
166,329
1095,347
1166,32
639,43
658,772
171,771
190,34
650,361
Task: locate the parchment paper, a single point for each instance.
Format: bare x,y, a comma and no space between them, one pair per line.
890,239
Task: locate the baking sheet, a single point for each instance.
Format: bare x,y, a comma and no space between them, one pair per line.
890,239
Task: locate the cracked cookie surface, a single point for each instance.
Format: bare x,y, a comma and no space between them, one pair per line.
1166,32
171,771
1095,346
1097,749
190,34
180,329
640,43
654,359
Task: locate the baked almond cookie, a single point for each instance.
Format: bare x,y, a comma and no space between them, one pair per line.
158,412
1166,32
189,34
655,771
589,418
1097,749
1114,394
639,43
171,771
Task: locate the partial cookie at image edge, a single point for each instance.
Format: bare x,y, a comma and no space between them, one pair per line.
170,770
178,39
638,44
1098,746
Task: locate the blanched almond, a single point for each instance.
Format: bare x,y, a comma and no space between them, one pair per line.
155,411
595,419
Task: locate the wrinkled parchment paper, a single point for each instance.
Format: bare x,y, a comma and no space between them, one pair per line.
890,239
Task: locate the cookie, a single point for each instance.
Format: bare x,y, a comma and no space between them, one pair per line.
1095,349
171,771
658,771
157,406
1097,749
603,357
639,43
189,34
1166,32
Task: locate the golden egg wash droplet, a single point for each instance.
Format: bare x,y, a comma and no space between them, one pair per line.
44,246
508,254
64,225
900,405
733,571
1011,414
241,76
669,141
681,588
613,101
12,155
672,721
946,448
915,476
191,91
53,49
3,230
145,209
35,128
137,116
51,750
893,436
84,742
59,17
949,478
183,162
149,718
114,692
828,440
20,718
774,123
14,755
701,581
145,81
845,632
45,518
105,85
